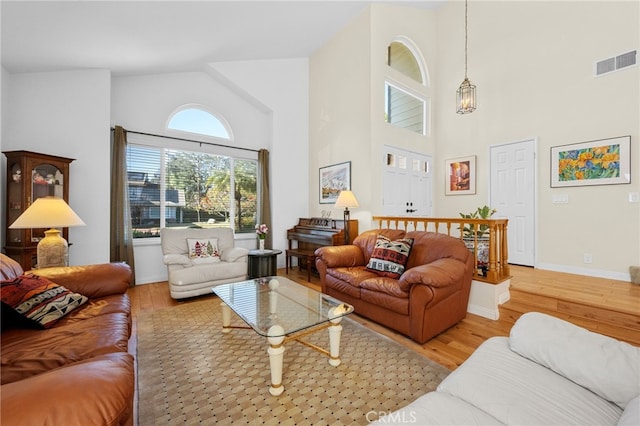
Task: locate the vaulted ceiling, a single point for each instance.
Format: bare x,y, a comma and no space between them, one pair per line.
142,37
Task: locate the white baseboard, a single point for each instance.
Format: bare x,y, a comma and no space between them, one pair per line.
485,298
148,279
599,273
492,314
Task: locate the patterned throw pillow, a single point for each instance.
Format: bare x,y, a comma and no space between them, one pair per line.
38,299
203,250
389,258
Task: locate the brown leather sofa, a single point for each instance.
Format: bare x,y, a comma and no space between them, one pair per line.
430,296
78,372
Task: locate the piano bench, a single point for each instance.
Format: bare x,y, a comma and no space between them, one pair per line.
308,255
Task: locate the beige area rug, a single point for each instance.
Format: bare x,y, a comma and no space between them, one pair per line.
189,372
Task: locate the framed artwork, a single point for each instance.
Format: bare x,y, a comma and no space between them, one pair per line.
460,176
334,179
599,162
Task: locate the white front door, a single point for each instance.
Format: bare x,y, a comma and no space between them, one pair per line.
406,183
513,192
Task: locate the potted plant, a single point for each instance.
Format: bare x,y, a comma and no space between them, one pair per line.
478,233
482,230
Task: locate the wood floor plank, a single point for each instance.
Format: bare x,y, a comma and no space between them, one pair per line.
606,306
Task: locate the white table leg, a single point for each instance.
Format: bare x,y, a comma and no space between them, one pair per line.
335,331
276,358
226,317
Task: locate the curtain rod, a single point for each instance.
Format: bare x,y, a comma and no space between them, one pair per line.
188,140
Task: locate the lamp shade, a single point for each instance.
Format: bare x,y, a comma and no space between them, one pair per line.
47,212
346,199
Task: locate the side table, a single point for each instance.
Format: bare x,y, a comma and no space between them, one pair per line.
263,263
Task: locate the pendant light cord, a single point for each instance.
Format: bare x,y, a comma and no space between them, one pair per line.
465,38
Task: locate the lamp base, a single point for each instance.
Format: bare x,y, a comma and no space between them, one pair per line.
53,250
347,217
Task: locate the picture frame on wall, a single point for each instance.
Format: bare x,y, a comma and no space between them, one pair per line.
334,179
597,162
460,178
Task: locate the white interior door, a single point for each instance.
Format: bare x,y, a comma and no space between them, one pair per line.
513,192
407,183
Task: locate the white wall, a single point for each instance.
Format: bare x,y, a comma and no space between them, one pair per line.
339,114
144,104
347,109
533,66
418,26
67,114
282,86
264,103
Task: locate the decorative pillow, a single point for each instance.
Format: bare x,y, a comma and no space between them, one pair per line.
203,250
607,367
389,258
38,299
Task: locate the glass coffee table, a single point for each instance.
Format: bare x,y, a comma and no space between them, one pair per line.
282,310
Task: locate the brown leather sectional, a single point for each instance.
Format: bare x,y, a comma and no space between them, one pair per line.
430,296
79,371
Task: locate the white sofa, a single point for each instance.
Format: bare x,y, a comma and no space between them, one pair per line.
547,372
190,276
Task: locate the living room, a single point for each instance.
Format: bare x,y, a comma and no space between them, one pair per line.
537,83
533,64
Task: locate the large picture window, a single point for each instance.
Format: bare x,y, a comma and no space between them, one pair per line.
171,187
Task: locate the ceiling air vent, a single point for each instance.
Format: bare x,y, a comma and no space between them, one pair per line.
618,62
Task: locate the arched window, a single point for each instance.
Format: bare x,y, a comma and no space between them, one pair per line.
406,103
401,58
196,120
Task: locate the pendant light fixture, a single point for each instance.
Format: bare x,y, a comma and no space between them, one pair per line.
466,94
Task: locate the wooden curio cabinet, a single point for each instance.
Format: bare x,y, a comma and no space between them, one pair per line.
31,175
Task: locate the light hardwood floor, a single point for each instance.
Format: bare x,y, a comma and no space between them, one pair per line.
606,306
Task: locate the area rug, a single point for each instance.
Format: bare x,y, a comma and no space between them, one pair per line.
189,372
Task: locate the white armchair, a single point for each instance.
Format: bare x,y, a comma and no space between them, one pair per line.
198,259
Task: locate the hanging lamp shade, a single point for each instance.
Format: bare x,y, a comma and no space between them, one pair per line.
466,94
466,97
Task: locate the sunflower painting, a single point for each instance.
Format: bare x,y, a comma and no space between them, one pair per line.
591,163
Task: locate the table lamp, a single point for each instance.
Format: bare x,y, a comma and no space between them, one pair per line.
49,212
346,199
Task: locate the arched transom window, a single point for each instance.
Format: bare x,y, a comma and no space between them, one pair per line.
198,121
401,58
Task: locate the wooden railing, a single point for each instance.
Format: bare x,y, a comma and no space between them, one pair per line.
494,270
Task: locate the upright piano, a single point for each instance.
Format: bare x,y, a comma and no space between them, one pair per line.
311,233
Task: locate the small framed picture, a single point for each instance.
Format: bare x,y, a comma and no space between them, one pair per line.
599,162
460,176
334,179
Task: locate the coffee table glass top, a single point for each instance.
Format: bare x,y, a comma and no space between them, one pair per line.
268,301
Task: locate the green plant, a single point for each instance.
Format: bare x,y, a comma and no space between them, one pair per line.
481,230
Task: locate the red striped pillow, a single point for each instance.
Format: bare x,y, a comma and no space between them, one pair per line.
38,299
389,258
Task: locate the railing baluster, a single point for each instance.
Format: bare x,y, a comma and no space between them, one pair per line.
497,268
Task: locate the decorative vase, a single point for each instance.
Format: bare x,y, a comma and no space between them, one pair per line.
483,250
261,243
